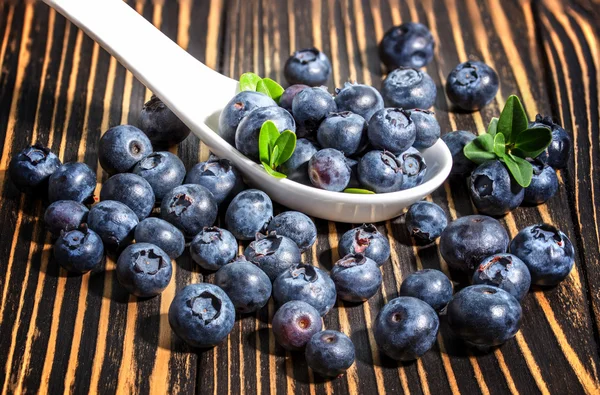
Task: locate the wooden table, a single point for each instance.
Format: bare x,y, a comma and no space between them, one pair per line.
65,333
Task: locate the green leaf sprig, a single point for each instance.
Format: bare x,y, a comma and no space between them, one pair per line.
274,149
510,140
252,82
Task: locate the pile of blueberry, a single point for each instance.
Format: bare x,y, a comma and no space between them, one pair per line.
351,140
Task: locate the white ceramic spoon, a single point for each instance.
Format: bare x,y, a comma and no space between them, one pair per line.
197,94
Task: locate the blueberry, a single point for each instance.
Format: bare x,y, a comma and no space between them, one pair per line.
161,125
31,168
310,107
273,253
237,108
163,171
413,168
114,222
544,183
249,213
425,221
295,323
121,147
559,151
380,172
505,271
287,97
356,278
360,99
431,286
468,240
472,85
213,248
79,250
406,328
296,168
247,286
493,190
427,128
392,129
202,315
327,169
189,207
456,142
344,131
144,270
353,166
484,316
72,181
64,215
218,176
131,190
307,283
296,226
307,66
246,136
365,240
547,252
407,45
162,234
330,353
409,88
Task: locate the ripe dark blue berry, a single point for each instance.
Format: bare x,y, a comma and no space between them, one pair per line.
330,353
162,234
547,252
310,107
327,169
431,286
64,215
392,129
409,88
202,315
406,328
484,316
505,271
307,66
247,286
413,168
559,151
294,323
248,213
356,278
544,183
161,125
365,240
407,45
163,171
30,169
218,176
468,240
114,222
360,99
472,85
344,131
131,190
237,108
273,254
213,248
427,128
380,172
296,226
425,221
296,168
287,97
307,283
456,142
121,147
144,270
189,207
79,250
493,189
72,181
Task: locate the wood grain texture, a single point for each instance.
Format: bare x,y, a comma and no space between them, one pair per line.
78,334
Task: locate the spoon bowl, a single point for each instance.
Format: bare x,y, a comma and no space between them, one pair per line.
197,94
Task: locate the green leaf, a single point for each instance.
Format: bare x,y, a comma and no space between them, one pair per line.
481,149
493,126
248,81
513,119
275,90
286,142
359,191
264,149
521,170
261,87
532,142
272,172
274,155
499,145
